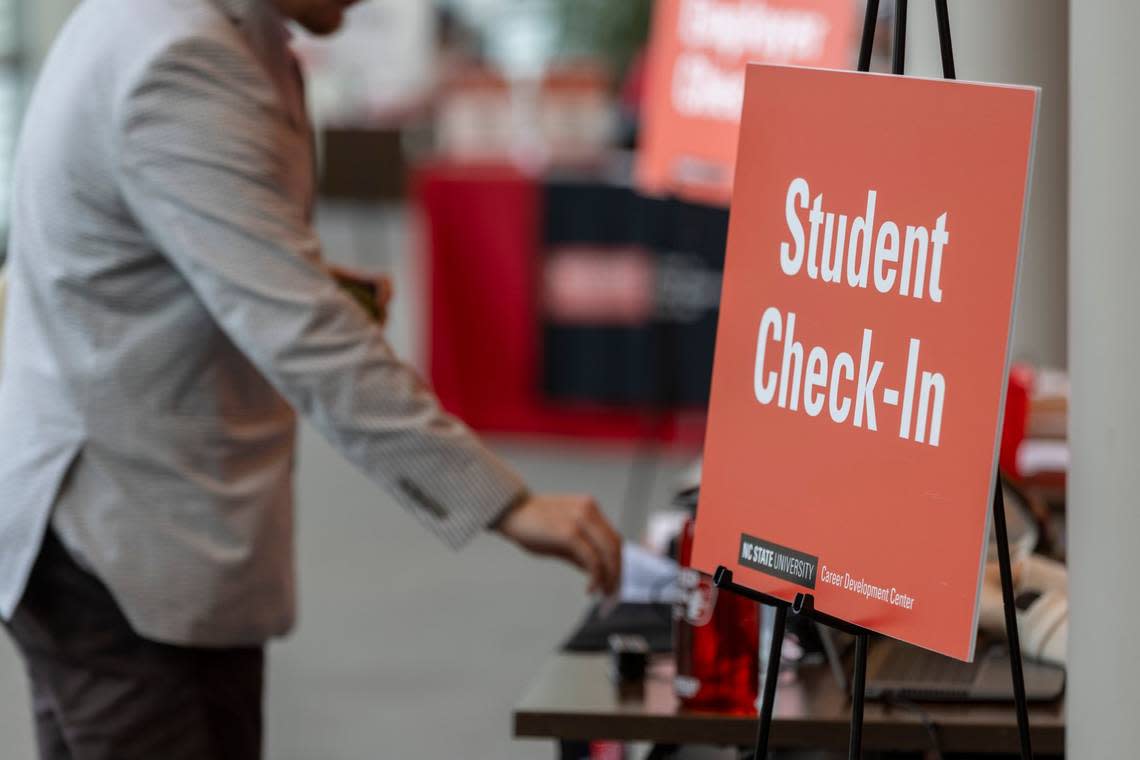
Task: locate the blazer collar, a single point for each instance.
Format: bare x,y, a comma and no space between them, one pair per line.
265,30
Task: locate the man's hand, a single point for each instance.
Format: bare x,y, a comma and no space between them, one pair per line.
570,527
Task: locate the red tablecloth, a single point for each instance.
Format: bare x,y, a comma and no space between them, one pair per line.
483,231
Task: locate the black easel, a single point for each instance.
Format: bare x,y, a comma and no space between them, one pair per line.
804,604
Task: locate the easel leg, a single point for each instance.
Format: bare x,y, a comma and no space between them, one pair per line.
1011,622
771,676
944,43
868,39
858,689
898,47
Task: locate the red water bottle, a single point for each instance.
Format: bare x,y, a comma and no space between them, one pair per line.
716,641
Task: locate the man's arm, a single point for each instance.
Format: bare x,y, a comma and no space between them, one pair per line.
203,157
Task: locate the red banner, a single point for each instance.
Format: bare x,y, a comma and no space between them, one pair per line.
698,53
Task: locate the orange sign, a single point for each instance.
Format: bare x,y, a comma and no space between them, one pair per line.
695,81
862,346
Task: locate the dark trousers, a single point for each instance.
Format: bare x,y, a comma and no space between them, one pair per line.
102,692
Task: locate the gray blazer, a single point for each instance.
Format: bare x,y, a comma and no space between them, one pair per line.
167,313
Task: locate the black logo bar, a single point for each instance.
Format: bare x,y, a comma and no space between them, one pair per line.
778,561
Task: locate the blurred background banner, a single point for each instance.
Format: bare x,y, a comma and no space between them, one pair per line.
596,306
695,80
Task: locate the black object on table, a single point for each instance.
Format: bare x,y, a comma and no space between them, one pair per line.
651,621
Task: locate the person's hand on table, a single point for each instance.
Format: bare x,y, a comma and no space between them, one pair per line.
570,527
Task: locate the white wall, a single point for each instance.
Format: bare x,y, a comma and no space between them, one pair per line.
1104,418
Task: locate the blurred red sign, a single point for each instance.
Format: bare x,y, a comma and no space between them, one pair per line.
695,81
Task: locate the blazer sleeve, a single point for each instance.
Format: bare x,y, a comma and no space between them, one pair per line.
203,158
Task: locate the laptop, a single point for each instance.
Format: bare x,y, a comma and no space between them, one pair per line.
897,671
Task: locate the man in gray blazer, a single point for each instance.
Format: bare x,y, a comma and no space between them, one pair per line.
167,313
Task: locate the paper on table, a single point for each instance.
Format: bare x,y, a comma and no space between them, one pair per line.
1037,455
645,578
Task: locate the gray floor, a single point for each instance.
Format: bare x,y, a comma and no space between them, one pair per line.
404,649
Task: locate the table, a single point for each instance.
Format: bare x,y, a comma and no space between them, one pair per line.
574,699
